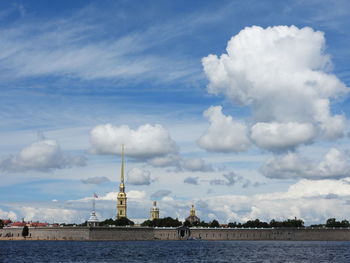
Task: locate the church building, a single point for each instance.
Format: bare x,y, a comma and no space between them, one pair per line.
193,219
121,198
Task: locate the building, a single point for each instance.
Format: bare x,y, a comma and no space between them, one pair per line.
193,219
121,198
154,213
93,220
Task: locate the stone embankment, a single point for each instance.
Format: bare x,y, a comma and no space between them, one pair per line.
181,233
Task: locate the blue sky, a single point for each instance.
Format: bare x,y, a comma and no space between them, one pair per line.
78,78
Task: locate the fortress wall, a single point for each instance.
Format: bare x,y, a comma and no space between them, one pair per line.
121,233
59,233
166,234
232,234
47,233
336,234
271,234
11,233
144,233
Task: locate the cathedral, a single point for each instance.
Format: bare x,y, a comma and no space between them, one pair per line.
121,198
154,211
193,219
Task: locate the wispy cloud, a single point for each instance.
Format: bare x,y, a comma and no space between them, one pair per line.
76,48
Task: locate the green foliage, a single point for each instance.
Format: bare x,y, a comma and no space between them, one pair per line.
214,223
332,222
188,223
118,222
25,231
255,223
1,224
203,224
234,224
273,223
287,223
83,224
162,222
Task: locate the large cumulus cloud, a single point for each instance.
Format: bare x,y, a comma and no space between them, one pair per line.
224,134
43,155
283,74
147,141
335,164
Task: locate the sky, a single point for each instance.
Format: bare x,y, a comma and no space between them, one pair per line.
238,107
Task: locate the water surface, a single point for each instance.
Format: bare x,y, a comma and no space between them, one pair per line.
174,251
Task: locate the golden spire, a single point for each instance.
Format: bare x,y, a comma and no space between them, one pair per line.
122,186
192,211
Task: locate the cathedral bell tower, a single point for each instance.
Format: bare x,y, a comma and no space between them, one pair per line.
121,198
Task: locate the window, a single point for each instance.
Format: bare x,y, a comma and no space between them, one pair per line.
121,202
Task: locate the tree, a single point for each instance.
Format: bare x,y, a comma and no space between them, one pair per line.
256,223
118,222
1,224
287,223
25,231
214,223
187,223
162,222
203,224
332,222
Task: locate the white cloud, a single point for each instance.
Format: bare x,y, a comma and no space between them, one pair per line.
167,160
137,176
334,165
282,73
180,164
135,194
44,155
224,134
196,165
68,47
95,180
279,136
147,141
8,215
112,196
59,215
160,194
307,199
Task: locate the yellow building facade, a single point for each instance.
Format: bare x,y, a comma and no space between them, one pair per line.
154,213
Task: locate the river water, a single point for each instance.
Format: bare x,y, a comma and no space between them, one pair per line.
174,251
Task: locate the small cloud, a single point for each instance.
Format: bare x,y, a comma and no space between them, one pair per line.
230,179
96,180
135,194
197,165
137,176
233,179
169,160
191,180
43,156
160,194
146,142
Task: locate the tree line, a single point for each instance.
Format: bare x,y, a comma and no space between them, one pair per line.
171,222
